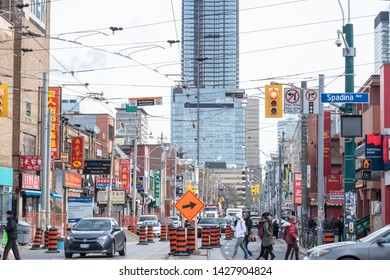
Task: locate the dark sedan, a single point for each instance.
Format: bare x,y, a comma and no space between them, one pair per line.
375,246
206,222
95,235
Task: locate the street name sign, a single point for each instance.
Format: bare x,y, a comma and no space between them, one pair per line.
189,205
345,98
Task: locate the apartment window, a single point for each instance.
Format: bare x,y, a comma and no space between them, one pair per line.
28,108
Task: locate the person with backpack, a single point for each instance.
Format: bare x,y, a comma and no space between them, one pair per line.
239,229
267,240
12,234
291,237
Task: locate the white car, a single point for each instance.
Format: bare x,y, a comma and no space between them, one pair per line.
156,227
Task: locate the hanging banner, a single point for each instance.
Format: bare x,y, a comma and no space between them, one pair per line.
374,151
297,188
124,173
54,104
77,152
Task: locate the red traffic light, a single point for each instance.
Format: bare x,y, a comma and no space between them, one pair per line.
273,94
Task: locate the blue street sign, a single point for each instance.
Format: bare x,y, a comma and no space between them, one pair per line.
344,98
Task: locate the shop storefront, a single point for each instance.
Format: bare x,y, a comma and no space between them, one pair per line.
6,183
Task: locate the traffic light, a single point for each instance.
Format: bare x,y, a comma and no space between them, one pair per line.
258,189
253,189
366,169
273,101
4,100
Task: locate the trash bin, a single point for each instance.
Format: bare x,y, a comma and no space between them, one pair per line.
23,233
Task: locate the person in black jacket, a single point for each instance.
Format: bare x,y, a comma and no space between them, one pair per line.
248,224
12,233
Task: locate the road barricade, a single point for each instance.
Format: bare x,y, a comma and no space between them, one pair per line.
142,236
53,239
150,234
164,233
181,243
205,238
172,240
229,232
191,240
37,239
329,236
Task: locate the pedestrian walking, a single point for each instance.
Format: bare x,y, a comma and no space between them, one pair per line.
12,234
248,224
267,240
240,229
260,231
340,228
275,228
291,237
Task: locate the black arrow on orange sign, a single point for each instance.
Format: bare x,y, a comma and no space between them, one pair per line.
191,204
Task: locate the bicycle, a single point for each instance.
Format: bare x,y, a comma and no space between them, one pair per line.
308,239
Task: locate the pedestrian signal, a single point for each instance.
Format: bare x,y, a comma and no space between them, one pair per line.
273,101
366,164
4,100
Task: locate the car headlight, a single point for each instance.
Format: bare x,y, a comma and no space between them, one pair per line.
319,253
69,237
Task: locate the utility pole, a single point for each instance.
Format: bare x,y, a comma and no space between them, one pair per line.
109,192
134,189
281,144
304,205
320,169
161,176
174,184
44,149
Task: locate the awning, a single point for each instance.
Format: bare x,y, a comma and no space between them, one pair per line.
38,193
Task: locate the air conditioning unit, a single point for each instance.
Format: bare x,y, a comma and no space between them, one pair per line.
375,207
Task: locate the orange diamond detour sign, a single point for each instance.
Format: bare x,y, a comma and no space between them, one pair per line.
189,205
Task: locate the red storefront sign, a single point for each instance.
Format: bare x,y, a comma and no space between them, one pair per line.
30,182
30,163
333,182
124,174
54,104
72,180
77,152
297,188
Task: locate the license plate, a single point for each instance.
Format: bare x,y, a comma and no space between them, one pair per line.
84,246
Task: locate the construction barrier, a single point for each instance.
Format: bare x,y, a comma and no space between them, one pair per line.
37,239
329,236
142,236
53,239
131,228
46,242
172,240
191,240
205,238
150,235
181,244
214,232
164,233
229,232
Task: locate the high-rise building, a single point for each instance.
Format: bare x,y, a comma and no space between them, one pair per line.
382,40
210,43
208,119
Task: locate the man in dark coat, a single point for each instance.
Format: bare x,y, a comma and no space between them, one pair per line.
12,233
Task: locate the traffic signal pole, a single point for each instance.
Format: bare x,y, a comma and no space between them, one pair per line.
349,142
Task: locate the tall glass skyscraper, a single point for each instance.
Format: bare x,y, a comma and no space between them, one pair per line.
210,100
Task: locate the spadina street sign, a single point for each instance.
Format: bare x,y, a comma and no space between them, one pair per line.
189,205
362,97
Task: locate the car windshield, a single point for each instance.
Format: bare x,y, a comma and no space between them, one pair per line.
174,218
208,221
151,223
92,225
146,218
375,235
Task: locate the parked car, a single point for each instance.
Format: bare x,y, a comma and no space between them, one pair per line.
375,246
156,227
144,218
95,235
223,222
174,221
206,222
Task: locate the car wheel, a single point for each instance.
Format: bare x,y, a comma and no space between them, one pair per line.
112,252
83,255
123,251
68,255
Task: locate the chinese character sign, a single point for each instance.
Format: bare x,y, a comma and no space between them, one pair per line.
124,173
54,104
30,163
297,188
30,182
77,152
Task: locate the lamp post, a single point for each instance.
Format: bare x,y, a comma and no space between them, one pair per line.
349,142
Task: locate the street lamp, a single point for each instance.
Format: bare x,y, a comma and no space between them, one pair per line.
349,142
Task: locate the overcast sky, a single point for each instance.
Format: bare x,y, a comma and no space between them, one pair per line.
280,40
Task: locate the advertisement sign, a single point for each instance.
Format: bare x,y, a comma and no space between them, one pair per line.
117,197
30,163
96,167
140,184
77,152
30,182
103,183
124,174
374,152
327,144
336,197
156,184
386,152
54,104
78,208
297,188
72,180
333,182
